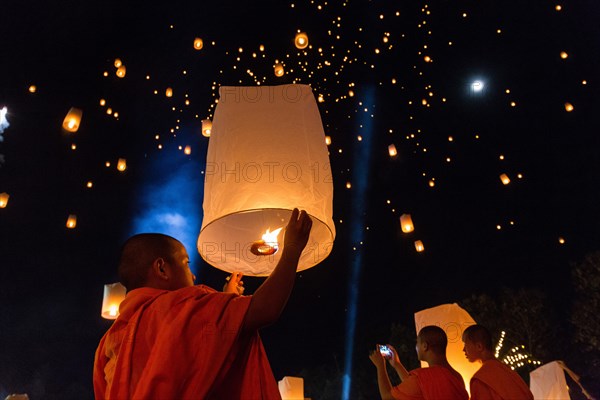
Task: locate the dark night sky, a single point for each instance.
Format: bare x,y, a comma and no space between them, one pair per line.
52,277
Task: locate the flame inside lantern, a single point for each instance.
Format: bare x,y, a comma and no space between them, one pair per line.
268,245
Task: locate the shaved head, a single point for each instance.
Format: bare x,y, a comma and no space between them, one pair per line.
139,252
479,334
435,337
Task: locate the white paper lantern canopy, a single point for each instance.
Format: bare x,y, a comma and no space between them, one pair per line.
266,156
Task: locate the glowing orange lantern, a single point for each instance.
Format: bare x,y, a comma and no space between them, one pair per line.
279,71
569,107
4,199
198,43
121,71
118,63
72,221
392,150
187,150
32,89
206,127
169,92
267,156
419,246
301,40
505,179
327,140
114,294
122,164
72,120
406,223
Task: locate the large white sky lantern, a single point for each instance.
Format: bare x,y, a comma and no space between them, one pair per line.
266,155
453,320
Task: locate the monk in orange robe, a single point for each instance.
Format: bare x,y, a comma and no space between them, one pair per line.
494,380
174,340
438,381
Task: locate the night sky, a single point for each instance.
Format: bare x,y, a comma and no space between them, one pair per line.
388,73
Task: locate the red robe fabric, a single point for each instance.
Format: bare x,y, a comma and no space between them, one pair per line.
432,383
182,344
496,381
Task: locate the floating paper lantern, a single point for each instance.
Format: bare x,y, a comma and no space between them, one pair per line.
198,43
563,55
114,294
122,164
569,107
121,71
301,40
505,179
406,223
419,246
266,157
206,127
72,120
32,89
169,92
4,199
327,140
118,63
291,388
72,221
453,320
392,150
279,71
187,150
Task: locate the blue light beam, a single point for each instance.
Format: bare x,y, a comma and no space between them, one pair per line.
360,182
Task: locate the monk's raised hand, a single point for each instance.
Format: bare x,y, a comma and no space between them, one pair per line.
297,232
234,283
376,357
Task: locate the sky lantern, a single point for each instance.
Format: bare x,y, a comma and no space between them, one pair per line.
266,157
72,221
278,69
563,55
406,223
121,71
32,89
206,127
419,246
505,179
301,40
72,120
4,199
118,63
187,150
114,294
392,150
327,140
122,164
169,92
569,107
453,320
198,43
291,388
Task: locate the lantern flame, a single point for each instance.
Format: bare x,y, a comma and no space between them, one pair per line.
268,245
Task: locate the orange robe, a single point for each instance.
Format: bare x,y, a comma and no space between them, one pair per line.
182,344
496,381
435,383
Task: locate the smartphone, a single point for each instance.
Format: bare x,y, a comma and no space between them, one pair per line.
385,351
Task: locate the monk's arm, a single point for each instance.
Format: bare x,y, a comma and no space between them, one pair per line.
271,297
401,370
383,382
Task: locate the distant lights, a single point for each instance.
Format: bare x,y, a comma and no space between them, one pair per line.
569,107
561,240
301,40
563,55
505,179
477,86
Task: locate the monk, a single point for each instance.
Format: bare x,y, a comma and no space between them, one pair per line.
438,381
174,340
494,380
